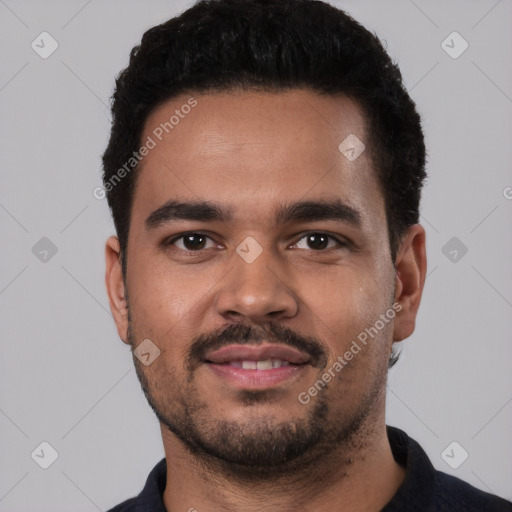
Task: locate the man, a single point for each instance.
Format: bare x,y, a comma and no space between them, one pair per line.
264,174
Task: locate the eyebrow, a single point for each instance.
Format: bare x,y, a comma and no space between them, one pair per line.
301,211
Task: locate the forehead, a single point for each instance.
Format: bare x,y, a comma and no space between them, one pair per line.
254,150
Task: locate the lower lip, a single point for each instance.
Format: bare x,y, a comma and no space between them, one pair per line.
256,379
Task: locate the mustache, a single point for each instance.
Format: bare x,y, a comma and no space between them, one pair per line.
242,333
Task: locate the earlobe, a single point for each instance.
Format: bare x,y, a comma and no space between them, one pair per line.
115,285
411,268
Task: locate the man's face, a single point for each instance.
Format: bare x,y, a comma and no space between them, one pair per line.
307,281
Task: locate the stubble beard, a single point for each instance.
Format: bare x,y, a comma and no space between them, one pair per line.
262,448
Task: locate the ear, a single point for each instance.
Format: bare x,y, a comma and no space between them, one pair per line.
411,268
115,287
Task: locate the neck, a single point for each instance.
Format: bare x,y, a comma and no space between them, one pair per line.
360,475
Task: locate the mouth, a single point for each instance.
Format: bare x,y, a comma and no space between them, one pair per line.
265,364
257,367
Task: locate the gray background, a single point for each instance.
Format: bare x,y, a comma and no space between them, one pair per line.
67,379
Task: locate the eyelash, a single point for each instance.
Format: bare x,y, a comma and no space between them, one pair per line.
170,242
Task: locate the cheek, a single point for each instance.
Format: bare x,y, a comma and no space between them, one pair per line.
167,306
155,310
160,293
346,303
357,354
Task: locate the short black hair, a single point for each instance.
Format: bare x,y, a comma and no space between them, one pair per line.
269,45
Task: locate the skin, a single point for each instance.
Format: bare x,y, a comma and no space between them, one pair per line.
254,151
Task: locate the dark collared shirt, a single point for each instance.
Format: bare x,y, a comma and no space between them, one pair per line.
423,490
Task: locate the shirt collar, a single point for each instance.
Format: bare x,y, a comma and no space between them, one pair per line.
151,497
417,489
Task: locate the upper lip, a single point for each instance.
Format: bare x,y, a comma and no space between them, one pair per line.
257,353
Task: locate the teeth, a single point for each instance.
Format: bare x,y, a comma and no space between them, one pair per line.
267,364
264,365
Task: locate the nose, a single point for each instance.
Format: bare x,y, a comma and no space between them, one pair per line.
256,289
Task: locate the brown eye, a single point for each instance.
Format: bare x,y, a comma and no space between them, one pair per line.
319,241
190,241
